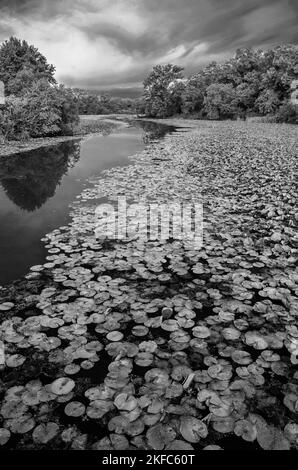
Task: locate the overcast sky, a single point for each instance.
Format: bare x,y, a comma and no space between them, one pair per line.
113,44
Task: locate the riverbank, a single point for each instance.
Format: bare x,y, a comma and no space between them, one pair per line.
134,344
89,125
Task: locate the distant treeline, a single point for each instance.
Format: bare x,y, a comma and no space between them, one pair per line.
252,83
95,103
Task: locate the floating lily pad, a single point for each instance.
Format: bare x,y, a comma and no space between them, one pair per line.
179,445
43,433
115,336
144,359
62,386
98,408
15,360
74,409
223,425
241,357
6,306
160,435
201,332
192,429
4,436
123,401
21,424
170,325
246,430
72,369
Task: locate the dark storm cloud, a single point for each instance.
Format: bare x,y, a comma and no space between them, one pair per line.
125,40
122,39
25,7
227,24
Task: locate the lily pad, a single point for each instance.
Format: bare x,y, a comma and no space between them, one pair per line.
62,386
159,436
43,433
192,429
74,409
4,436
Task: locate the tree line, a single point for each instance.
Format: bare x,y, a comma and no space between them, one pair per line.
93,103
252,83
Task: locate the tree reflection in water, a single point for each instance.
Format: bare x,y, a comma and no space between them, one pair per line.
153,130
31,178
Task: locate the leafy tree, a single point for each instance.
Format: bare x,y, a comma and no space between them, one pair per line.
140,106
193,96
220,101
13,119
253,81
88,104
287,113
246,94
68,109
160,102
23,81
43,116
267,102
22,64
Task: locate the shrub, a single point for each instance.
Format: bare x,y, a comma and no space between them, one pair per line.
287,113
14,119
43,111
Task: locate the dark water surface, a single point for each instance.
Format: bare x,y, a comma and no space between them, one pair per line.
37,187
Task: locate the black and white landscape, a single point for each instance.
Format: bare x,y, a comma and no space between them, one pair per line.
148,227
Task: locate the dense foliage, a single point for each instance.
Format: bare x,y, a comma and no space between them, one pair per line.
21,65
41,111
160,99
36,106
253,82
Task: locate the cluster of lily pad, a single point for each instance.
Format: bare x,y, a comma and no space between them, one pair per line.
157,345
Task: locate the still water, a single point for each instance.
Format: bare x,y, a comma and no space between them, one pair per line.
37,187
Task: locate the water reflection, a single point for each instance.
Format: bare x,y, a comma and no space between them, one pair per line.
29,179
153,130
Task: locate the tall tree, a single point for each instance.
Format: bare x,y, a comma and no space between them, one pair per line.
21,65
160,102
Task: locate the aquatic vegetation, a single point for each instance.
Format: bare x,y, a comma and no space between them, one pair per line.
134,345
